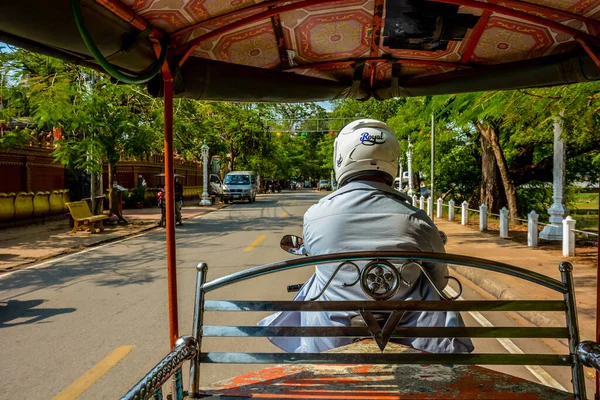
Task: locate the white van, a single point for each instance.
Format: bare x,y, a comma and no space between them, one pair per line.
240,185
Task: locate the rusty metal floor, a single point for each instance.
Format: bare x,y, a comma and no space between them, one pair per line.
366,382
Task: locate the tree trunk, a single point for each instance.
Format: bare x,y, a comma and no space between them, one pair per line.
491,189
491,136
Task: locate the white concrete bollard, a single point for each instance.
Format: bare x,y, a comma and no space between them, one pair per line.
532,229
568,236
504,222
430,207
439,207
414,200
451,210
422,202
464,217
482,218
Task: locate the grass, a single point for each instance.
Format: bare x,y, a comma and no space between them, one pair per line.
586,201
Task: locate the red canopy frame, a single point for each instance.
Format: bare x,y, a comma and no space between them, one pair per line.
511,8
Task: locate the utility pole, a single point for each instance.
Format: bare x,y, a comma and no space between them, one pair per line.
432,159
410,173
400,170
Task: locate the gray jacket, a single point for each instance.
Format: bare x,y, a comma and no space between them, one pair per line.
360,216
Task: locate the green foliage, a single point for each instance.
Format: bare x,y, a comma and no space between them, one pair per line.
16,138
133,196
103,123
535,196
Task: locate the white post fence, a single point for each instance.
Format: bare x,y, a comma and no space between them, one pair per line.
504,222
451,210
464,216
569,232
422,202
483,218
532,229
414,200
430,206
568,247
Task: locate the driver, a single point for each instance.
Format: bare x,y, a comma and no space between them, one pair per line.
367,214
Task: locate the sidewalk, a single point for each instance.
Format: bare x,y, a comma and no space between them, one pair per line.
470,242
25,245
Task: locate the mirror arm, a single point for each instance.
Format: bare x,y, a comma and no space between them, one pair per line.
588,353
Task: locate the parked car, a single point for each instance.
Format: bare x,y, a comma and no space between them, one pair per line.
324,185
240,185
215,187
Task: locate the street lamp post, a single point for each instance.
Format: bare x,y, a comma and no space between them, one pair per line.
205,199
410,173
432,162
400,170
332,177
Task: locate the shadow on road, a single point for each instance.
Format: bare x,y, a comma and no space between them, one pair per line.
26,312
142,260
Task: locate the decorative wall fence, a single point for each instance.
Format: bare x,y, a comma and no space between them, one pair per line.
189,193
30,170
568,228
127,173
23,205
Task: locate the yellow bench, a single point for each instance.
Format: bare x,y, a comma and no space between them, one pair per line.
84,219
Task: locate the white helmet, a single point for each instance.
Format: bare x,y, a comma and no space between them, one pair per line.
364,146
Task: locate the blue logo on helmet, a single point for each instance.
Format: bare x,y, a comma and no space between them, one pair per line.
371,140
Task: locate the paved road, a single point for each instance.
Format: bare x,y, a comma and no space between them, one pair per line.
59,321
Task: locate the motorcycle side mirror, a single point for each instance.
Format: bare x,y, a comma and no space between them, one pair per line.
292,244
444,237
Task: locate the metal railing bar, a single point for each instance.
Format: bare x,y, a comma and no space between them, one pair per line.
584,232
409,305
435,332
517,219
391,256
186,349
385,358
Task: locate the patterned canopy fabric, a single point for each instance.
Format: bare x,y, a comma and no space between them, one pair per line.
296,50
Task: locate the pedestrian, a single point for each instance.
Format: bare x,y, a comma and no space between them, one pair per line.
367,214
141,181
178,201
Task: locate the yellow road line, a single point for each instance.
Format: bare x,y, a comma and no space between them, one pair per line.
283,215
255,243
86,380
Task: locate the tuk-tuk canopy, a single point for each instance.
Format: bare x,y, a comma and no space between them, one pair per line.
311,50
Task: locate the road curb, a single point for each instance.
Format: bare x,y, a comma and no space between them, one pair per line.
504,292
